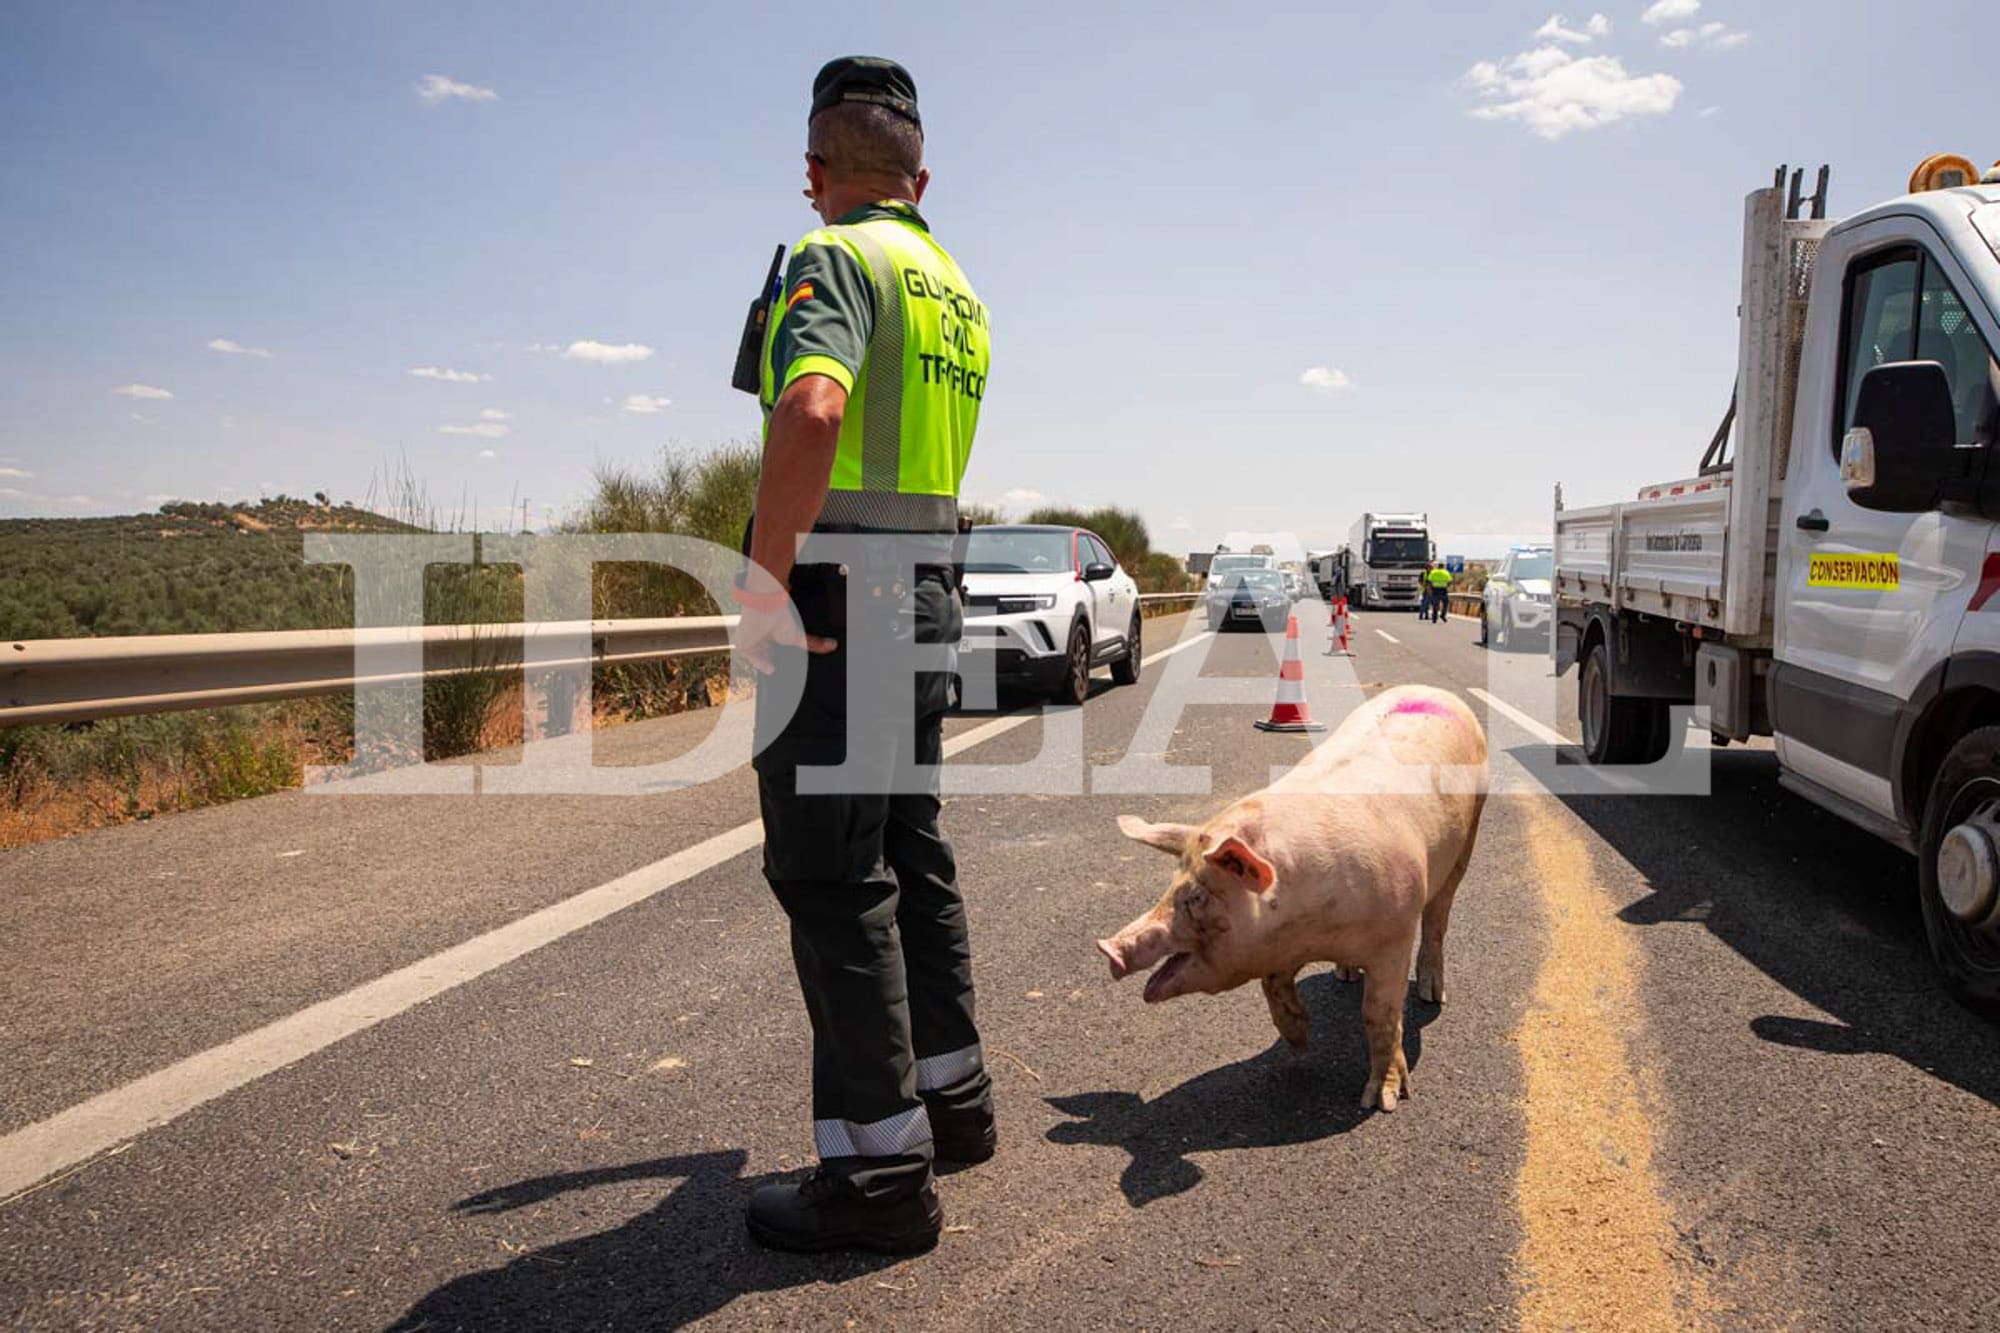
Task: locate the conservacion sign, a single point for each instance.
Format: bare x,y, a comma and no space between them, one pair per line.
1874,573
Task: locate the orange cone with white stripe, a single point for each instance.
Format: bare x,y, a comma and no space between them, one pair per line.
1289,712
1338,644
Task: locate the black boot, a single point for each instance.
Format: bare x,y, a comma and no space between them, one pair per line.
824,1212
962,1138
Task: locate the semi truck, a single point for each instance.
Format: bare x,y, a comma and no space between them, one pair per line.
1828,574
1329,572
1386,558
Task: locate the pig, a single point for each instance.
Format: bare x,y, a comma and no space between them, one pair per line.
1345,859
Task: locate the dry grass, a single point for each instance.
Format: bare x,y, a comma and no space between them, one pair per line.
56,782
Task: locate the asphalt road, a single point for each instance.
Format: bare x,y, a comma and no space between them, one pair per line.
1692,1072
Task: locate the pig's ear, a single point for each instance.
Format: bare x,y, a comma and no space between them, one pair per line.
1170,838
1234,856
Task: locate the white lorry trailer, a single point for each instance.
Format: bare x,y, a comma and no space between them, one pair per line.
1828,575
1386,558
1329,572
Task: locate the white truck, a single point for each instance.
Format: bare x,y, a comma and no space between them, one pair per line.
1386,558
1828,575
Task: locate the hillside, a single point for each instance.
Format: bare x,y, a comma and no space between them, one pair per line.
189,568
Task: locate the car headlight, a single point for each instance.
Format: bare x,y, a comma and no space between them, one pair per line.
1008,606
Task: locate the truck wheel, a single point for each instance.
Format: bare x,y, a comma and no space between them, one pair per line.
1075,685
1125,671
1958,870
1616,730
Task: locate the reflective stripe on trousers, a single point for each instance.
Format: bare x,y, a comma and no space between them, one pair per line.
904,1132
941,1071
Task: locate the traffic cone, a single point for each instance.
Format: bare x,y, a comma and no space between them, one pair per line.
1338,644
1289,713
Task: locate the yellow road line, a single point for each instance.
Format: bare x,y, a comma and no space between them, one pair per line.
1598,1245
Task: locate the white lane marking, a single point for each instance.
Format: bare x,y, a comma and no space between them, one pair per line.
100,1124
1521,719
1387,635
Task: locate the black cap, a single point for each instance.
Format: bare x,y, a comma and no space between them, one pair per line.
866,79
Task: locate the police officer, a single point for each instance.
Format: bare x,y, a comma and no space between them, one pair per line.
1438,592
873,368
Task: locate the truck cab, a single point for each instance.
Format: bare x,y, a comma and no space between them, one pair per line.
1829,576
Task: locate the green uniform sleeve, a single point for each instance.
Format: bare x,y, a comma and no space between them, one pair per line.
828,315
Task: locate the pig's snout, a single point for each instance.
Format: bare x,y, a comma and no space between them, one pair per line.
1135,948
1111,955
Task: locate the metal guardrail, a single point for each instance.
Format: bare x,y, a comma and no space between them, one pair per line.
79,680
75,680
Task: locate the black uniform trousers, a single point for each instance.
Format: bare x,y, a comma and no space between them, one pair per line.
871,888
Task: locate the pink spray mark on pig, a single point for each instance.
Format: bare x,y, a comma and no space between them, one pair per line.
1430,707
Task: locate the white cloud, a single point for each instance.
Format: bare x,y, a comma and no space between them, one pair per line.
141,418
606,354
1554,93
1021,497
1557,29
1181,523
487,453
1325,379
544,347
15,472
435,88
52,501
141,391
645,403
1717,36
485,430
450,376
494,414
1708,112
1667,11
234,348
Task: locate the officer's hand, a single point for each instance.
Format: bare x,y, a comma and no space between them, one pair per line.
758,629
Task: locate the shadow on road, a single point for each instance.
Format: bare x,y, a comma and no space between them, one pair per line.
684,1258
1278,1097
1825,910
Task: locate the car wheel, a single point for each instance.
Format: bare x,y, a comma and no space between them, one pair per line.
1485,635
1956,866
1616,730
1125,670
1075,686
1504,640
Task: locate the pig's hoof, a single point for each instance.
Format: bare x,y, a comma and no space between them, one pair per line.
1430,989
1342,972
1388,1092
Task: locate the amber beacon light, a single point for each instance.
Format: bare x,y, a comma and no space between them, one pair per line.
1943,171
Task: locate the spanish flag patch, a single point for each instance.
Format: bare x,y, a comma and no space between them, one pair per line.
802,292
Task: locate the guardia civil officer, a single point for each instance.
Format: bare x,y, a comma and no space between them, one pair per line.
871,375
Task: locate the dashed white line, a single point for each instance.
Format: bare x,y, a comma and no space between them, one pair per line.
1387,635
1520,719
96,1126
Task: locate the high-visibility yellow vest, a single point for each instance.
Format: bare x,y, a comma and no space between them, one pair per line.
914,387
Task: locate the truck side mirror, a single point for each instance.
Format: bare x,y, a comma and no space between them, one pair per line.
1900,456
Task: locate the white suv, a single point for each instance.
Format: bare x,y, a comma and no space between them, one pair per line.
1517,599
1051,604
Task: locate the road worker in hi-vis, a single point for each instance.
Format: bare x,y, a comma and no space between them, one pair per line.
870,366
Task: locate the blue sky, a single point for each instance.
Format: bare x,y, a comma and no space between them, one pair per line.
1250,267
